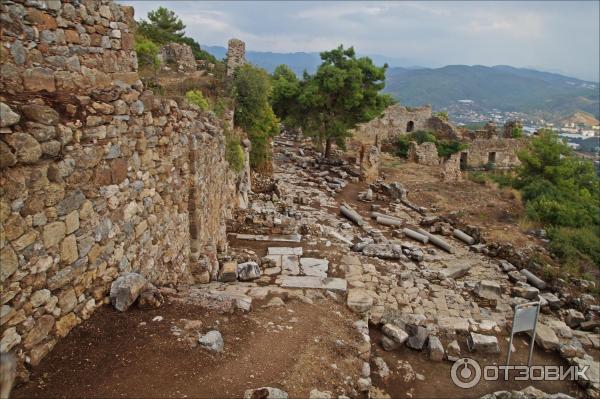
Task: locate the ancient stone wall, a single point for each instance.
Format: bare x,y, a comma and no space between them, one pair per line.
236,55
395,120
178,57
424,154
501,152
98,175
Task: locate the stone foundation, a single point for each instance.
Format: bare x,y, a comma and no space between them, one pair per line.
98,176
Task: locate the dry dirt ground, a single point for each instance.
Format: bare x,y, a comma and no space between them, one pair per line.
498,212
128,355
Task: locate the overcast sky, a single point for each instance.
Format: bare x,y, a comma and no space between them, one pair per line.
553,36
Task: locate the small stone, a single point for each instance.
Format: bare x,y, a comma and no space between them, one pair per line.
389,344
65,324
274,302
28,150
316,394
394,332
488,289
10,339
418,340
436,349
72,222
40,114
9,262
574,318
42,328
228,272
212,341
573,348
68,250
359,300
7,116
53,234
39,298
150,298
382,368
453,351
248,271
265,393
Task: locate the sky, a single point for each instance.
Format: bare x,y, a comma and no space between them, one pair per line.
562,37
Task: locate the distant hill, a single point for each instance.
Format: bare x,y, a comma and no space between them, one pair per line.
506,88
581,118
299,62
542,94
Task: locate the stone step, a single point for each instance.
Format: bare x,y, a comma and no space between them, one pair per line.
323,283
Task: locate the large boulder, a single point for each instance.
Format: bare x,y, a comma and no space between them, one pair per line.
125,290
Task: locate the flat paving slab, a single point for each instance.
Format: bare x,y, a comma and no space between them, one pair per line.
323,283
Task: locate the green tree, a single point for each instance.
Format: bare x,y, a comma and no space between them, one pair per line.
253,112
343,92
147,51
163,26
285,95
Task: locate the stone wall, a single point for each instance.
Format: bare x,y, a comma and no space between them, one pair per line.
500,151
178,57
236,55
395,120
424,154
98,175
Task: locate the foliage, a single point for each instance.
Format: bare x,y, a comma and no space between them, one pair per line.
164,26
253,112
477,177
343,91
558,187
445,148
573,245
517,132
234,153
147,51
563,191
443,115
196,97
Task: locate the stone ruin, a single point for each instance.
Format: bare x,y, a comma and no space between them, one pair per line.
99,177
236,55
395,120
177,57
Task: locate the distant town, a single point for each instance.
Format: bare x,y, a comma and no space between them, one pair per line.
582,138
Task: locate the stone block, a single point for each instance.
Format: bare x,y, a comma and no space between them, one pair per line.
394,332
483,343
53,234
359,300
68,250
248,271
125,290
436,349
228,272
418,339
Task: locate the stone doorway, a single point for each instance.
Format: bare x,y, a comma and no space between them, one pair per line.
464,160
492,157
410,126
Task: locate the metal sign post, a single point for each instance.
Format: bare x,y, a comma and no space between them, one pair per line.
525,319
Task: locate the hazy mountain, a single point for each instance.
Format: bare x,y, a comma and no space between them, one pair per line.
545,94
501,87
298,62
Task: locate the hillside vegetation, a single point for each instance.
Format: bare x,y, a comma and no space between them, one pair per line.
500,87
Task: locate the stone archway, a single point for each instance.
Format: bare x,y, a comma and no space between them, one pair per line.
410,126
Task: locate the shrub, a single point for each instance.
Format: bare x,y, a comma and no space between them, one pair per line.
196,97
573,244
477,177
443,115
234,153
147,51
445,148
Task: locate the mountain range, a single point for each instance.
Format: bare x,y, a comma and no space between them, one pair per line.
545,95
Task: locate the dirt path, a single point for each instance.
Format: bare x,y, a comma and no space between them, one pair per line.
114,355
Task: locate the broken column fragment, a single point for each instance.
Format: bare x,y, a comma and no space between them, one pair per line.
415,236
533,279
351,215
463,237
437,241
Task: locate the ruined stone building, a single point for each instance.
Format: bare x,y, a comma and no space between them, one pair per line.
98,175
236,55
484,147
177,57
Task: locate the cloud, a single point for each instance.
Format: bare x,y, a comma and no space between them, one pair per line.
548,35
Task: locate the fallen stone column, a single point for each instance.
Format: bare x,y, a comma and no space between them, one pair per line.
351,215
438,242
388,221
533,279
375,215
463,237
415,236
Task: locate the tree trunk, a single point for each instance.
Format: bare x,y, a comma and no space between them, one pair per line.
328,143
